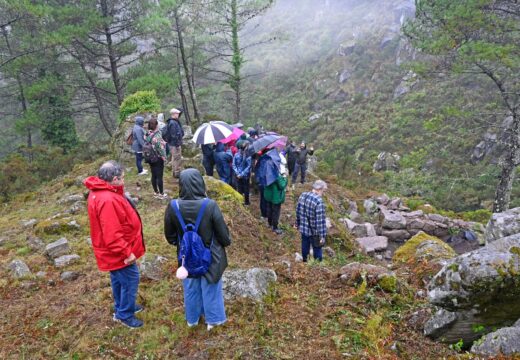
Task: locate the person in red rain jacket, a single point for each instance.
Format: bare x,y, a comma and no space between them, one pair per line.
117,238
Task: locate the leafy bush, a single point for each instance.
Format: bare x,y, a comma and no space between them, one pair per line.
141,101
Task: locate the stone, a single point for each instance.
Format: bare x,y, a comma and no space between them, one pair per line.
505,341
344,76
71,199
370,206
76,207
19,269
355,273
41,274
439,322
437,218
3,241
329,251
35,243
69,275
28,223
373,243
151,267
56,226
355,216
66,260
347,48
382,199
395,204
58,248
391,219
89,241
251,283
503,224
407,83
352,207
413,214
315,117
359,230
396,235
298,257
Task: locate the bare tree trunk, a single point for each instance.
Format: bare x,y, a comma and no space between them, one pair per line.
112,57
23,100
237,59
181,91
99,100
186,67
509,164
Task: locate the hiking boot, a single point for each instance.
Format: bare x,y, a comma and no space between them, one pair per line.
278,231
144,172
163,196
132,323
138,308
193,325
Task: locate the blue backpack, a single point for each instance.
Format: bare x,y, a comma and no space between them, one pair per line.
195,256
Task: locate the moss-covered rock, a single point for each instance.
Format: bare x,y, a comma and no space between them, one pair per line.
219,190
388,282
56,227
423,247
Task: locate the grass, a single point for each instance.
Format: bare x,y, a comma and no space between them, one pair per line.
305,314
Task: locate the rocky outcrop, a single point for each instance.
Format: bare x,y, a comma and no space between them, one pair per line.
252,283
347,48
56,226
372,243
387,162
407,83
503,224
481,287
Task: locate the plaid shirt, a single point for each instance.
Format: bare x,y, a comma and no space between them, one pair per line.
310,215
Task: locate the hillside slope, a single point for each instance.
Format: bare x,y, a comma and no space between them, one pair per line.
307,313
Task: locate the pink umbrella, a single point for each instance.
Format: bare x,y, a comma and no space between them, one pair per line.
234,136
280,143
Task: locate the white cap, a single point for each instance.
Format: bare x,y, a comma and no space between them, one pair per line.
175,111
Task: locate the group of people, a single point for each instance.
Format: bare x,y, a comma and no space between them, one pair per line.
117,231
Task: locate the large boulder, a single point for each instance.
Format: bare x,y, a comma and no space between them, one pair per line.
251,283
19,269
66,260
56,226
359,230
503,224
152,267
481,287
505,341
396,235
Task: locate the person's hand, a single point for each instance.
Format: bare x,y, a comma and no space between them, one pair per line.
130,260
312,148
322,241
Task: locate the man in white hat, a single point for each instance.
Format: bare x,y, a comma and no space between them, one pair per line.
173,136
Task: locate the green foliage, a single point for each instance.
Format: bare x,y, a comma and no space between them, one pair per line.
139,102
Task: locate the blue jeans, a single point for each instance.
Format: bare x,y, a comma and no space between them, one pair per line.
299,168
139,161
306,247
125,282
203,298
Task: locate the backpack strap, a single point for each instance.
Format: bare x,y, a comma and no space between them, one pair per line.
201,213
175,206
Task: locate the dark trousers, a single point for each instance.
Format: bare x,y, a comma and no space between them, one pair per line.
290,165
125,282
263,203
273,214
299,168
209,163
157,169
243,188
306,247
139,161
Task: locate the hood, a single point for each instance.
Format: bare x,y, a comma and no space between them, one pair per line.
93,183
139,120
191,185
220,147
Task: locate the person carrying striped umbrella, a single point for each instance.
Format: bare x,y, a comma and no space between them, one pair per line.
212,132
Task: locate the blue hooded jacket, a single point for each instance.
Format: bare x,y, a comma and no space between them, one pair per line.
242,164
138,134
223,163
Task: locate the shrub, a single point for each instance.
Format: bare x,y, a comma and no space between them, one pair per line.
141,101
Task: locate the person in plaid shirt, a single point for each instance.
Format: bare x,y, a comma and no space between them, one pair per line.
310,220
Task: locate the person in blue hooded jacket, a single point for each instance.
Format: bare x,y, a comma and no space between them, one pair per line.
242,170
138,134
223,160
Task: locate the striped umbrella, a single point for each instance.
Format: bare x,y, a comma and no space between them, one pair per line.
209,133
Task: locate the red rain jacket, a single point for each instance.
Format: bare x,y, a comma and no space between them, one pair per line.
115,226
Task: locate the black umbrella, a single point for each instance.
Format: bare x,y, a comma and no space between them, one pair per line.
261,143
